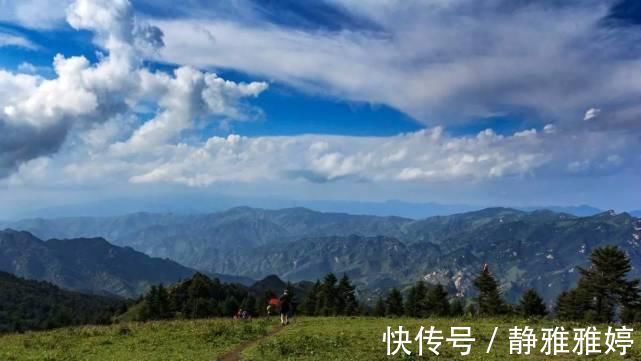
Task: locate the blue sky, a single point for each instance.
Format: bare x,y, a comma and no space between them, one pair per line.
456,101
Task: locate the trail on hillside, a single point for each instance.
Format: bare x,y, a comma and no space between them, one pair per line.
234,355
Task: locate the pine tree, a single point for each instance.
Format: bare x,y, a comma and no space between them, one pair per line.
162,303
532,305
436,301
249,305
394,303
607,281
230,306
311,301
328,296
346,293
379,308
415,302
489,300
457,307
411,303
575,304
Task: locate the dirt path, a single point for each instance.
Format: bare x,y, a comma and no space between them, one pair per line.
234,355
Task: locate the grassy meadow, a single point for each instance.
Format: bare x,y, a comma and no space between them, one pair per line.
357,338
152,341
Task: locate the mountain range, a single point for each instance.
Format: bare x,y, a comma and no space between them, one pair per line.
89,265
524,248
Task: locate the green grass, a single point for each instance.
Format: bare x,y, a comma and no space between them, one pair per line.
305,339
361,339
153,341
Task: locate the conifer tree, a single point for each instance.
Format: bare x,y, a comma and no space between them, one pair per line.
457,307
607,282
230,306
394,303
415,305
575,304
310,304
411,303
379,308
346,302
328,295
436,301
489,300
532,305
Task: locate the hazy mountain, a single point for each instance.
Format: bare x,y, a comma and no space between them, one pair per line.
193,239
636,213
36,305
90,265
581,211
538,248
199,202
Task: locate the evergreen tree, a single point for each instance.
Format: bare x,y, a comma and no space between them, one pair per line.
411,303
328,296
575,304
309,306
436,301
346,302
607,282
379,308
162,303
249,305
457,307
394,303
489,300
532,305
230,306
415,302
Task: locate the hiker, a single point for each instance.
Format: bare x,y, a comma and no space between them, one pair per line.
271,304
239,314
285,308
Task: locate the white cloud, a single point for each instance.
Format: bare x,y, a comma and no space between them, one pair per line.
428,157
15,40
592,113
438,61
42,14
37,114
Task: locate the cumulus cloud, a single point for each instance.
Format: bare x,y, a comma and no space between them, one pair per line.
429,156
439,61
37,114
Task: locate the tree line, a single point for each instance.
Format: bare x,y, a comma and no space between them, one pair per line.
603,293
198,297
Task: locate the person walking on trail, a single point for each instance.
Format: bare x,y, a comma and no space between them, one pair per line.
285,308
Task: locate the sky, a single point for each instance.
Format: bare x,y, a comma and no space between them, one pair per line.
499,102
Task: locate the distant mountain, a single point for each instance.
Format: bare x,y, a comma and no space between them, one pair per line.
36,305
580,211
539,249
636,213
90,265
199,203
192,240
525,249
192,203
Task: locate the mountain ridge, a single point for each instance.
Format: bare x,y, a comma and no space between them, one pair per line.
299,243
88,265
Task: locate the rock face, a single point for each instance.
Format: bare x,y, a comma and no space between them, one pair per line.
537,249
